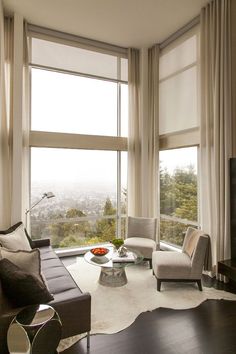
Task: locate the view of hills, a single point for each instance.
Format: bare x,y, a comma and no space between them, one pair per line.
84,214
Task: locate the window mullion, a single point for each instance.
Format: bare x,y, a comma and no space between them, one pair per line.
118,218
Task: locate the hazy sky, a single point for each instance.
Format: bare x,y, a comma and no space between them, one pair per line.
72,165
181,158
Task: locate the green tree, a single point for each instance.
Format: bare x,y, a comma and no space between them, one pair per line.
65,234
74,213
106,228
71,241
185,191
167,200
178,197
108,208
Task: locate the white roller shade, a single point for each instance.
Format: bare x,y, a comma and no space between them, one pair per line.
178,85
65,57
178,102
179,57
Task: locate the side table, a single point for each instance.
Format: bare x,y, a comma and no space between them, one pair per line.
228,268
34,330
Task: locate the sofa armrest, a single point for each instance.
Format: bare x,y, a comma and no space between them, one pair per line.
75,314
41,242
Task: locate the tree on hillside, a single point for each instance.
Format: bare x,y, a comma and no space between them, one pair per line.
178,197
106,228
167,200
108,208
74,213
71,231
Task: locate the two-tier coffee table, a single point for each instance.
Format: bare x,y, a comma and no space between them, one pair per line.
112,271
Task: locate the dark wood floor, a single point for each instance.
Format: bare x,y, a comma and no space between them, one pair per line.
207,329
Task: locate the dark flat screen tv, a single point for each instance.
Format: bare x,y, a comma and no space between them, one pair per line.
233,206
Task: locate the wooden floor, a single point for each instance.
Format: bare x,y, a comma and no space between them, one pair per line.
207,329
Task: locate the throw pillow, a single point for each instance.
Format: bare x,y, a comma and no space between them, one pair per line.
22,288
31,242
15,238
25,260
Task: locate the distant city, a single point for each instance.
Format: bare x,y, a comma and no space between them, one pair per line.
89,199
63,218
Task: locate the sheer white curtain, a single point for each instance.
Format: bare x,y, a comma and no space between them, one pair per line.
153,132
26,127
134,135
216,139
6,36
143,160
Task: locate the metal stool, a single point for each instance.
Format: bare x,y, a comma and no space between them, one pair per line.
35,330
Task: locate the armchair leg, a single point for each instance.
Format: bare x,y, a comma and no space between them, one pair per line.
199,283
150,263
88,339
158,285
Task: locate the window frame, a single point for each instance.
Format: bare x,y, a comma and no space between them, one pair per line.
47,139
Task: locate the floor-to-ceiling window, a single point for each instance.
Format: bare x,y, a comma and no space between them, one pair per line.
179,137
78,139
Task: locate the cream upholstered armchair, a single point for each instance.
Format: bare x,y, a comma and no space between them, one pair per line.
186,266
141,236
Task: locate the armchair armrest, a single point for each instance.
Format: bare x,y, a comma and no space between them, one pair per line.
41,242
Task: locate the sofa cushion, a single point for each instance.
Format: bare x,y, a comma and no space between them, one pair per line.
21,287
25,260
171,265
59,280
15,238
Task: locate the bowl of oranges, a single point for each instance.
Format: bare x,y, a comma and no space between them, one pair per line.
99,251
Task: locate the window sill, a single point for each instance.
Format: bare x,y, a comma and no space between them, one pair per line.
76,251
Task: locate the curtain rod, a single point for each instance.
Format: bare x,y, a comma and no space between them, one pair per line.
195,21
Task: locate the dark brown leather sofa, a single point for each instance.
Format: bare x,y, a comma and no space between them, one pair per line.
72,305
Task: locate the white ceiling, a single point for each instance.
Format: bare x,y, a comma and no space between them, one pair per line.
128,23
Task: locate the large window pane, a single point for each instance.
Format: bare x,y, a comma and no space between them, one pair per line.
178,192
73,104
84,210
78,91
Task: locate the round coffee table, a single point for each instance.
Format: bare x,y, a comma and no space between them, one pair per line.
113,267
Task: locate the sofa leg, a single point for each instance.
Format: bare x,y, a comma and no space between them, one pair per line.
199,283
150,263
88,339
158,285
